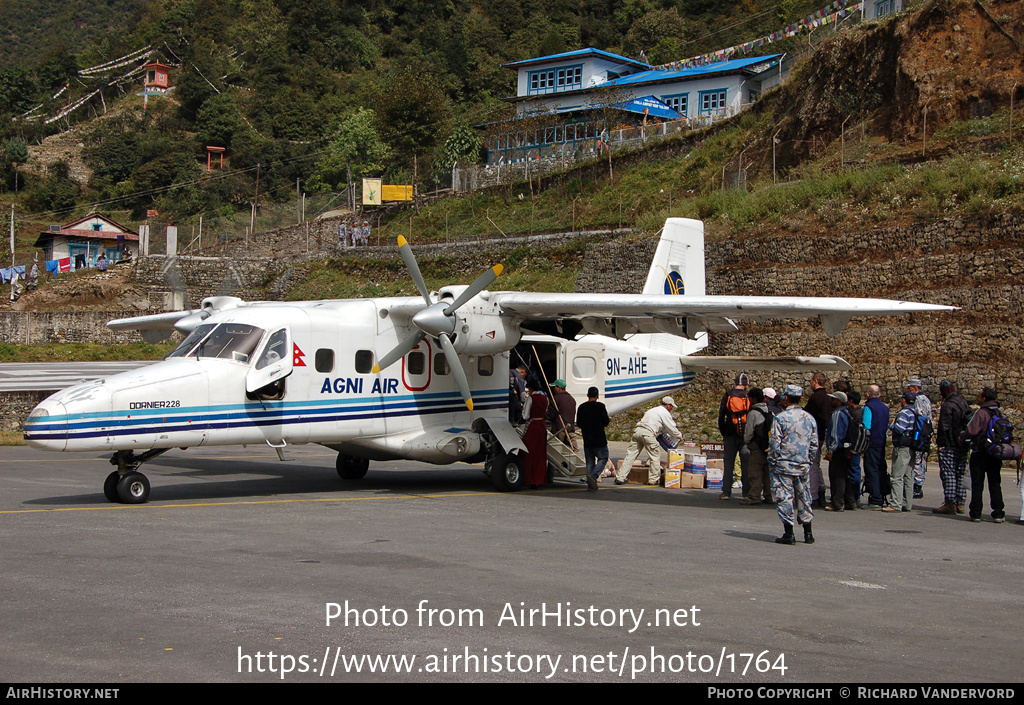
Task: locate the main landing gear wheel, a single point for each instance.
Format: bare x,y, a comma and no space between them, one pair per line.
110,487
351,467
507,474
133,488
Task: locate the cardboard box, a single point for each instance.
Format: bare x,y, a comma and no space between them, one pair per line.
672,479
676,461
691,481
715,477
716,464
696,464
638,473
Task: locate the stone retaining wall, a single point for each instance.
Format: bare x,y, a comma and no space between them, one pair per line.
972,264
32,328
16,406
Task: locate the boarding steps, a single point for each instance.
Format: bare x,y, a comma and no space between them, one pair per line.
562,459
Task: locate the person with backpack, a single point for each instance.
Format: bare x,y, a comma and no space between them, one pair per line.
924,408
841,427
755,437
901,476
856,442
732,415
983,433
954,415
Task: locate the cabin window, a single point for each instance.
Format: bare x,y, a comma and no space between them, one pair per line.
441,365
485,365
276,350
583,368
364,361
417,363
324,360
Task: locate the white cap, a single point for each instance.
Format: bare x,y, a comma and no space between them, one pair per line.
668,401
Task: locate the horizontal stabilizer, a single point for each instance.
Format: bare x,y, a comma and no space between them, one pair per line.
780,364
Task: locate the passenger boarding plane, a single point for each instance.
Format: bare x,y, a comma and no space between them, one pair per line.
422,378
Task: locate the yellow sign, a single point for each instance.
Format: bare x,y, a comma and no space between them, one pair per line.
397,193
371,192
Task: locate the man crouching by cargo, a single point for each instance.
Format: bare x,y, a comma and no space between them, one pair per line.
792,445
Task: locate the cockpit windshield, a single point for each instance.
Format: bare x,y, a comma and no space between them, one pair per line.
227,341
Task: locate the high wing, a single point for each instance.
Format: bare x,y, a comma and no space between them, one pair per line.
618,315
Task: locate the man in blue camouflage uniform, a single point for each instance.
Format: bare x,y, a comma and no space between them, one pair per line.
792,445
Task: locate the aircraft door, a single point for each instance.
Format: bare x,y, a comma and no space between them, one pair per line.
584,368
416,367
273,364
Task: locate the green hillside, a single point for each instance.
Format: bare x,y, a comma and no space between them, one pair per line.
302,88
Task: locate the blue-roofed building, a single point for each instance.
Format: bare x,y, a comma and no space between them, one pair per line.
574,87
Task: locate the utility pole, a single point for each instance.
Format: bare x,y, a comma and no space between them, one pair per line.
1012,92
924,143
775,141
348,185
14,277
298,211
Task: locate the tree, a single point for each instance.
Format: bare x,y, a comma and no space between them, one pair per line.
57,192
463,144
412,112
661,34
607,102
17,89
355,148
56,68
17,154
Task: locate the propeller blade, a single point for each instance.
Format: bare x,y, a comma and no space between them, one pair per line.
475,288
414,270
456,366
399,352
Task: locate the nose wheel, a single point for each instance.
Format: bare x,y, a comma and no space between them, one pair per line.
127,485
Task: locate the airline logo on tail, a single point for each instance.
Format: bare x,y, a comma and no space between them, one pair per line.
674,284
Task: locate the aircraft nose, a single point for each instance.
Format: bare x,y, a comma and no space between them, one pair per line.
47,426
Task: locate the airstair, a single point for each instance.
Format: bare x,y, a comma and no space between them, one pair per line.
562,459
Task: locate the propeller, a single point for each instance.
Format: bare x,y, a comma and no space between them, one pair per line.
437,320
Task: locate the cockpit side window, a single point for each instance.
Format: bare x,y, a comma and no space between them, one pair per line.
192,339
275,349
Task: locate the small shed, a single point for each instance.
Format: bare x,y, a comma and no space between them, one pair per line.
157,77
82,240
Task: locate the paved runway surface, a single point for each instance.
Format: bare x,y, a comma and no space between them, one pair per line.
237,556
46,376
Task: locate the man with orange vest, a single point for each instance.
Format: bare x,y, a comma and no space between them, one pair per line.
732,415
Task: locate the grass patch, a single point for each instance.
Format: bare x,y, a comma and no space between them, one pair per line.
526,269
11,438
83,352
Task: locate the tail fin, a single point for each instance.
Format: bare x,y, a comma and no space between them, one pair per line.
678,265
677,268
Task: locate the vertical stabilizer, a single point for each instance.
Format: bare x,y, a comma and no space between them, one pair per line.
678,265
677,269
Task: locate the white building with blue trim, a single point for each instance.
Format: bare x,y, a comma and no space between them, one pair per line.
574,87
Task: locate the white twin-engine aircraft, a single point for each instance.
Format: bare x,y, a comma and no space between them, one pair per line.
423,378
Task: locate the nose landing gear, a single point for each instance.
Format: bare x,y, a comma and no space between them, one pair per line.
126,485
